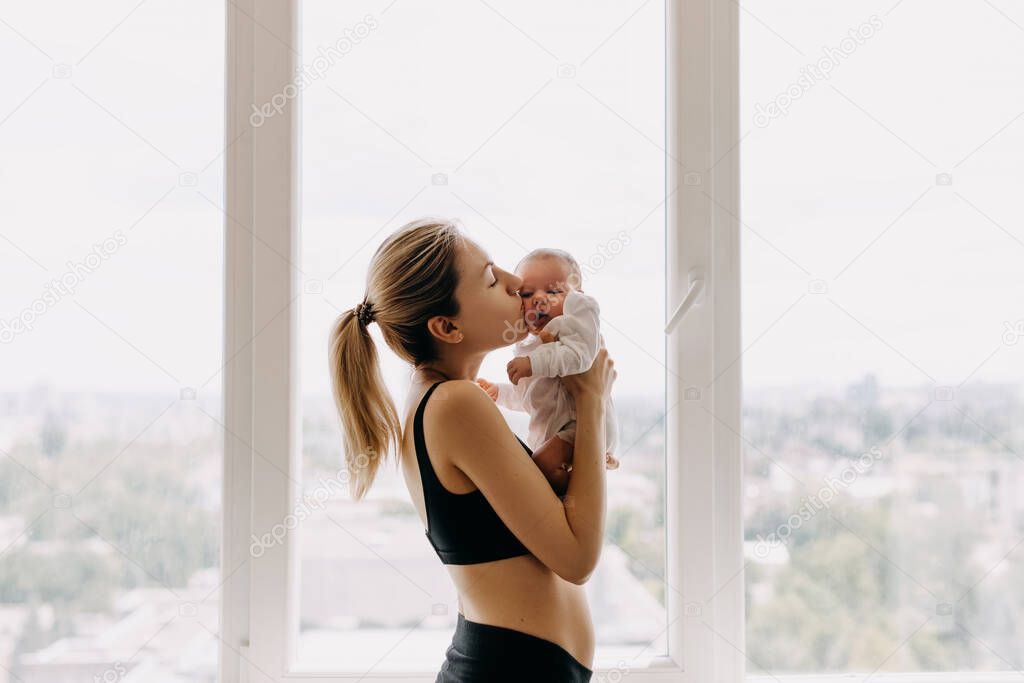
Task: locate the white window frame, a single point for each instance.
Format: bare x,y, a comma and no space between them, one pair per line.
704,560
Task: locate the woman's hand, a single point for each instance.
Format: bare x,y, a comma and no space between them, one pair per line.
596,382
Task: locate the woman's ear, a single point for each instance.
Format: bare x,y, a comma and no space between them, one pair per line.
443,329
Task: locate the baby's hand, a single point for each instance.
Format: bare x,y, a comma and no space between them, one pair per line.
491,389
518,368
546,337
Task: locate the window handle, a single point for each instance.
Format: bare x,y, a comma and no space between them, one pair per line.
692,294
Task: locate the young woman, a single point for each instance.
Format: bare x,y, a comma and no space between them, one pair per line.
517,553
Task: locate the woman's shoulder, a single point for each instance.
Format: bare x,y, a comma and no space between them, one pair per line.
461,409
458,403
448,391
457,391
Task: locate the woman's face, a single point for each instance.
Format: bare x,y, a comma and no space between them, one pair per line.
491,310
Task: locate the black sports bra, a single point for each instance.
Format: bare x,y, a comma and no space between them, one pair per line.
462,527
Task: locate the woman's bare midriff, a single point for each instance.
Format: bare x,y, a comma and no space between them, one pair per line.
521,592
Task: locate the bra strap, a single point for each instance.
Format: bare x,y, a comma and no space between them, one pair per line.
426,469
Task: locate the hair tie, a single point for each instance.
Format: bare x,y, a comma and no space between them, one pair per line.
364,312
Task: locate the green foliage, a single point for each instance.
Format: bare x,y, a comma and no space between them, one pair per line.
864,587
626,527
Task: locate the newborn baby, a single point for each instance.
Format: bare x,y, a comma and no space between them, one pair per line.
565,337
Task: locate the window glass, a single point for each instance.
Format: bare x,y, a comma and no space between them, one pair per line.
534,125
883,336
111,254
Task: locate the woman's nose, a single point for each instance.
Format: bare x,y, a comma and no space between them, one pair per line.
515,283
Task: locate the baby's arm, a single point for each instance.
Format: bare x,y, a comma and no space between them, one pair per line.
509,397
504,395
578,339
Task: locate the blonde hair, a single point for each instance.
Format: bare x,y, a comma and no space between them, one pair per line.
412,278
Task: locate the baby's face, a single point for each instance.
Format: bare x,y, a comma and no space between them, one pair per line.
543,291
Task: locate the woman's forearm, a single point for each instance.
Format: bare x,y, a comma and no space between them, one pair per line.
585,495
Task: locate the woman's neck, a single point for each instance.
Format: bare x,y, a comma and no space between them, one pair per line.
448,370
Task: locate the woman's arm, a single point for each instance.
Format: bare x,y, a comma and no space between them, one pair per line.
566,536
585,497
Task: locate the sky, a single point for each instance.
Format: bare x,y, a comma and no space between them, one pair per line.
533,125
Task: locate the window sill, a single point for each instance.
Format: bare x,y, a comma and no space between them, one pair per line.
937,677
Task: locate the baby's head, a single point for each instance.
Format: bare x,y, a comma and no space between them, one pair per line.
548,276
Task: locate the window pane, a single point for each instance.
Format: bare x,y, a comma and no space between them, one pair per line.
535,125
883,366
111,132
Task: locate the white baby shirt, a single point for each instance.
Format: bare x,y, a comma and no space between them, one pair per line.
542,395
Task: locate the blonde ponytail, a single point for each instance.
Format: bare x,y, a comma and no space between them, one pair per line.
412,277
370,423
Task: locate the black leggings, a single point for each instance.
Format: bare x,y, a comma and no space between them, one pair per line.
485,653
